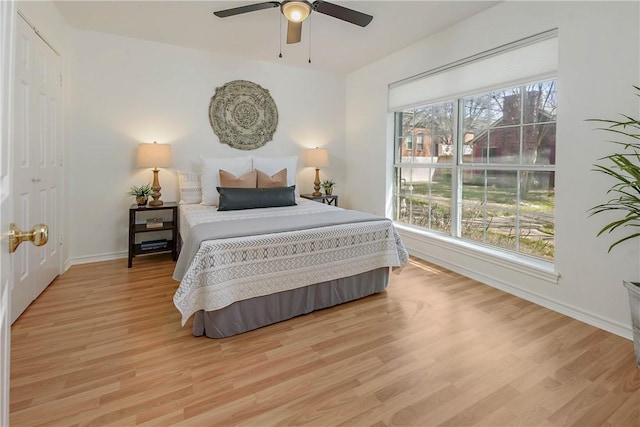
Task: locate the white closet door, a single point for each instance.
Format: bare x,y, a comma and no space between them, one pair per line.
36,158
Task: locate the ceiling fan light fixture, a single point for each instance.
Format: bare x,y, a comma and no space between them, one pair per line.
296,11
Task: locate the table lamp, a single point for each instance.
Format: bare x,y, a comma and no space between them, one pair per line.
154,156
317,157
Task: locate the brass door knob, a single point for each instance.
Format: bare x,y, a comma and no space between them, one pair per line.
39,236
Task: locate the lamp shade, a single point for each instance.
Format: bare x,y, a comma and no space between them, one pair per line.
317,157
154,155
296,11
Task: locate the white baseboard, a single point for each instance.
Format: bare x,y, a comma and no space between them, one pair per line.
97,258
573,312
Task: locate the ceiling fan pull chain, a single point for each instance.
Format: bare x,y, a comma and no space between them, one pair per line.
280,20
309,25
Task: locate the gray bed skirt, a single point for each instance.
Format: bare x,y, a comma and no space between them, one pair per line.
254,313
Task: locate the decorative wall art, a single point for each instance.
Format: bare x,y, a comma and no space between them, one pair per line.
243,115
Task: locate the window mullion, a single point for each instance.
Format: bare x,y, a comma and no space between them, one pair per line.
517,225
485,225
523,106
456,178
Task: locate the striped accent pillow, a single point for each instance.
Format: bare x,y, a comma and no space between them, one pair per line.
190,187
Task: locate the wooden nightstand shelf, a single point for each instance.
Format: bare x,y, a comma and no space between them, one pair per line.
167,226
329,200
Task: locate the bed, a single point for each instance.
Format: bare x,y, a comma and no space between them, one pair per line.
253,253
244,269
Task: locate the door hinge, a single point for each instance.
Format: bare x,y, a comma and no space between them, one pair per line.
60,79
61,161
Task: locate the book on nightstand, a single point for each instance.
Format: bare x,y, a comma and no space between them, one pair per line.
154,244
154,223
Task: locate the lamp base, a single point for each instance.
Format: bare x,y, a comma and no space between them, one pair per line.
156,190
316,184
156,202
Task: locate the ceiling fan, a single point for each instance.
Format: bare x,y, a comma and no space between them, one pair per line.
296,11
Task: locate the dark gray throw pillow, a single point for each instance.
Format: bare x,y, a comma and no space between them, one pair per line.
232,199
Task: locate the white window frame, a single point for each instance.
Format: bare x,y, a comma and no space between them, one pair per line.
525,61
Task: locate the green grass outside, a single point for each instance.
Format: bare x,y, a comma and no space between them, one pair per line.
537,200
501,201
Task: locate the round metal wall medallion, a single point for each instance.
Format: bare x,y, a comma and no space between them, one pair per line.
243,115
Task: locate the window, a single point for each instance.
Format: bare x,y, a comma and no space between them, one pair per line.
409,145
487,172
420,143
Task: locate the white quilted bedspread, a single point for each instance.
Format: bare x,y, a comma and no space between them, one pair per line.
228,270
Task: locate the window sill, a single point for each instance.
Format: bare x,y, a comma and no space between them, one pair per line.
536,269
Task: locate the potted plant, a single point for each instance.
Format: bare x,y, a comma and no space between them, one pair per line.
141,193
327,185
624,167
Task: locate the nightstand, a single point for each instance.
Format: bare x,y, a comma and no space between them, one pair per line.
167,226
329,200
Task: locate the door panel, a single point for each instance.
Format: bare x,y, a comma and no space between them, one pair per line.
48,167
36,168
23,284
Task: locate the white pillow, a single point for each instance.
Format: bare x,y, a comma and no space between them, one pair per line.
273,165
211,174
190,187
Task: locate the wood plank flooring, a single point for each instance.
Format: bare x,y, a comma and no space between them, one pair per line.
103,345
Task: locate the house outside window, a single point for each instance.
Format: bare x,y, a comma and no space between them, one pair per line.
487,174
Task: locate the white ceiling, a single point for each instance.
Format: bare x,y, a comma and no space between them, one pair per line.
336,45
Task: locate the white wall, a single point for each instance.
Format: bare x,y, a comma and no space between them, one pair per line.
599,49
126,91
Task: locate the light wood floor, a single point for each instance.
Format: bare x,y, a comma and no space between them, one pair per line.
103,346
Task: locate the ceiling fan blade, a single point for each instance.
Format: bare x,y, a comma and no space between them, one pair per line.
294,32
340,12
244,9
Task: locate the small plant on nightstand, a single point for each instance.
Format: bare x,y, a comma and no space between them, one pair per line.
327,185
141,193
